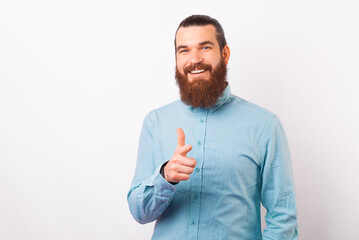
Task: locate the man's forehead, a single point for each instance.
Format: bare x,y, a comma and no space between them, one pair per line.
195,35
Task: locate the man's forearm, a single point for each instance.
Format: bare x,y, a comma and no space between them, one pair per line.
148,199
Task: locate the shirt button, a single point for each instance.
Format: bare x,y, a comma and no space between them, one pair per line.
199,143
193,223
201,120
195,197
197,169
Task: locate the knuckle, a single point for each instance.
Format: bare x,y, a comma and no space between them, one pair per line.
174,168
175,177
186,177
193,162
171,175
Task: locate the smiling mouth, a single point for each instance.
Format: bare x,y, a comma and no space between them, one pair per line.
197,71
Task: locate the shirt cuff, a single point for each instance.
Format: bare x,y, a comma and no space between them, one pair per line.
163,173
161,184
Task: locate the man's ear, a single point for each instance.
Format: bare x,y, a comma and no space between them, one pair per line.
226,52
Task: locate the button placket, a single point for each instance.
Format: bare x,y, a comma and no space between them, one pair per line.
196,179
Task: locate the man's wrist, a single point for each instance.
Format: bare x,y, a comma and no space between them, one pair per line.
162,172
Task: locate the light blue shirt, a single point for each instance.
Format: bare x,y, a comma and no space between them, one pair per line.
243,160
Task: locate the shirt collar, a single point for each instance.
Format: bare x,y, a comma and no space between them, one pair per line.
226,96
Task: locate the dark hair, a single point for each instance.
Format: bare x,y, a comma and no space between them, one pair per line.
203,20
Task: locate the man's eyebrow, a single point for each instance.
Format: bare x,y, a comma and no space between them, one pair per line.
181,46
206,42
201,44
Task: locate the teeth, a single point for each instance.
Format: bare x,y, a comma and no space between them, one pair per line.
198,71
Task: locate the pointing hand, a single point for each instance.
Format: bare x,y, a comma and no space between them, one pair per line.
180,166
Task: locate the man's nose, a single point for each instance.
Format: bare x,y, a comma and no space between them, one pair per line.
195,57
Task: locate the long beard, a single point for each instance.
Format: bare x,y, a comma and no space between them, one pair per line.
203,93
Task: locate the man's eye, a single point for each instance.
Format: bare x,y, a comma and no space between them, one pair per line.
183,51
206,48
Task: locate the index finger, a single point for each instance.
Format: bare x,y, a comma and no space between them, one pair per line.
180,137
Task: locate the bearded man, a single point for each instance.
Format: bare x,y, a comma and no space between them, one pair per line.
238,156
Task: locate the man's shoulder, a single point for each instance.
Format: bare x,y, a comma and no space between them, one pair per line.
169,108
255,115
252,108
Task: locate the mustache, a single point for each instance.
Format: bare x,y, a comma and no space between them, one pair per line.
197,66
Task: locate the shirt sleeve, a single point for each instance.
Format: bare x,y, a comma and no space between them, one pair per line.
278,191
150,193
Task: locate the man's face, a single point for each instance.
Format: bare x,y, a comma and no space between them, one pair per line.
201,68
197,52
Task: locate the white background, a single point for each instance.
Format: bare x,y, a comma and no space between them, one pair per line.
78,77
